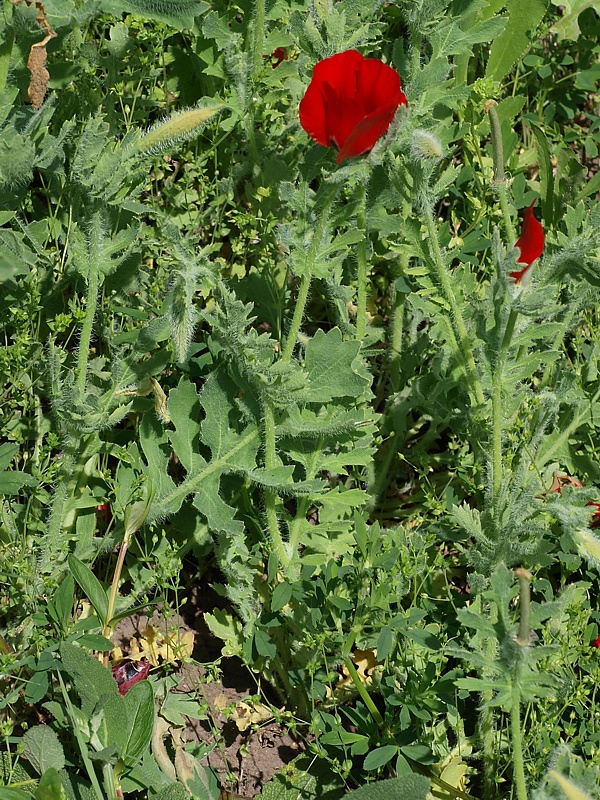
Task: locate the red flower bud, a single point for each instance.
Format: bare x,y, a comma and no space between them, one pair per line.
530,244
350,103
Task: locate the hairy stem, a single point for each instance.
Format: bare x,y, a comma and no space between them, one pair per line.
524,578
277,543
361,254
5,52
497,401
500,182
93,283
258,22
517,742
457,321
327,193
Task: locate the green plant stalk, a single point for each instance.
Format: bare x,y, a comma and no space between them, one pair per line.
500,181
497,401
361,255
297,694
329,191
109,782
258,21
570,429
89,767
379,483
112,599
362,690
517,741
524,578
6,52
457,321
486,716
302,507
395,358
93,284
277,543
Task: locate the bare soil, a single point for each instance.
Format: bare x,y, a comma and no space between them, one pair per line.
245,760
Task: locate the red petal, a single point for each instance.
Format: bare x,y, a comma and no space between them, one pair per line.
530,243
531,240
366,133
597,642
337,73
350,102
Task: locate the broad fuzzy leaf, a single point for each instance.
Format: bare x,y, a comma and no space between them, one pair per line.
332,368
523,19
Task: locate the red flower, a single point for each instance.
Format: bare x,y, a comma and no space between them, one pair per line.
596,643
530,244
127,673
277,56
350,103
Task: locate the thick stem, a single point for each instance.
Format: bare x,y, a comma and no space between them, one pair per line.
395,352
258,21
93,283
109,782
328,192
517,742
524,578
500,181
277,543
6,50
361,254
457,321
497,401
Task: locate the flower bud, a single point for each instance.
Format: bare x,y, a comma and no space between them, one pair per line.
588,545
136,512
424,146
571,790
178,128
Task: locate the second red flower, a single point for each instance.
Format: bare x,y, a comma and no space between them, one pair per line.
350,103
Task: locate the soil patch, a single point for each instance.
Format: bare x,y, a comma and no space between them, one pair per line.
244,759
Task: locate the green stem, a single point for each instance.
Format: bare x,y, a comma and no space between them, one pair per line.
362,690
75,723
328,192
361,254
517,741
93,284
115,586
500,181
109,782
457,321
6,51
569,430
277,543
395,351
259,36
524,578
416,42
497,401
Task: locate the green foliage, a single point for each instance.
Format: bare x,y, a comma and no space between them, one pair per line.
316,388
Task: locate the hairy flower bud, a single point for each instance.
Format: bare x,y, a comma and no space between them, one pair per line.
424,146
178,128
588,546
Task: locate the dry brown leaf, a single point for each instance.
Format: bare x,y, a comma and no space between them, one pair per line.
36,63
